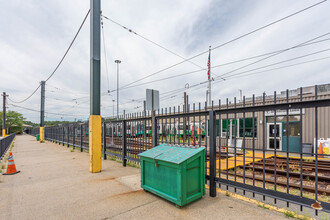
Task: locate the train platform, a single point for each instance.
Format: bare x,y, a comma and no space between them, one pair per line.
249,157
54,183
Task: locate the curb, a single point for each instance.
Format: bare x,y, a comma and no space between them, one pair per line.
258,203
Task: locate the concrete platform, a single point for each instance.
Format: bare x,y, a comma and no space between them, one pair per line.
55,183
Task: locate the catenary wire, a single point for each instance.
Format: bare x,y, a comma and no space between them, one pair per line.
58,65
228,42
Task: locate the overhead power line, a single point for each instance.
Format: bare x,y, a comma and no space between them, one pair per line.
228,42
66,52
52,113
27,97
105,55
151,41
58,65
241,60
272,55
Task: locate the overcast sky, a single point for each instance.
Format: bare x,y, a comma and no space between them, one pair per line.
34,35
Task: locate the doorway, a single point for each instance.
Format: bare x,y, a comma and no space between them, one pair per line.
274,136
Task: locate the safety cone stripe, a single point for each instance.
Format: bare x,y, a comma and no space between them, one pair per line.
11,168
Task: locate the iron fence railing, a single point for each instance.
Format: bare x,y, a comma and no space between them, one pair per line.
268,145
5,144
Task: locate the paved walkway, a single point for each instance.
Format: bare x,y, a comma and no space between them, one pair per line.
54,183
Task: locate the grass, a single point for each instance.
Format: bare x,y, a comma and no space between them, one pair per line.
3,166
114,158
263,206
227,194
324,216
72,150
289,214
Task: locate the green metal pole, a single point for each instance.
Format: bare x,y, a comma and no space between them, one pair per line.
95,126
42,106
95,45
4,115
42,113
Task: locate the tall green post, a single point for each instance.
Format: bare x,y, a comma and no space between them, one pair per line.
42,113
4,115
95,139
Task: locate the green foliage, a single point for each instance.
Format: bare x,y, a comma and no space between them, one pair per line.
34,125
263,206
14,122
289,214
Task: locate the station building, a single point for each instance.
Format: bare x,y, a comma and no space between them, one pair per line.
266,132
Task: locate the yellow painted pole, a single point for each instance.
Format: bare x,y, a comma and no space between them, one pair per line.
3,132
42,134
95,145
95,138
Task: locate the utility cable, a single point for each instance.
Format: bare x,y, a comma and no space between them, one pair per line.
27,97
153,42
105,54
272,55
58,65
30,109
228,42
191,72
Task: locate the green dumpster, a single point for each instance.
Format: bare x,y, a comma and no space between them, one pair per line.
176,173
38,137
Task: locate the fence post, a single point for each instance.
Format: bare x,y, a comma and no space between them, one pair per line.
154,129
124,143
67,135
73,136
81,138
63,133
104,140
212,134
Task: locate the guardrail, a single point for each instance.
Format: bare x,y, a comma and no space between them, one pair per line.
5,144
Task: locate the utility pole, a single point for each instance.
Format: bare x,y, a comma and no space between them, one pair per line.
42,113
95,120
185,109
118,62
4,115
144,122
209,75
113,116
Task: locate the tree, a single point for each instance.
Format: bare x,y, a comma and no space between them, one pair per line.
14,122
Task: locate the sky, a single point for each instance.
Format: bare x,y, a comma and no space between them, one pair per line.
34,35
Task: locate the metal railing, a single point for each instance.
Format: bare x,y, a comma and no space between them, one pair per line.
266,145
5,144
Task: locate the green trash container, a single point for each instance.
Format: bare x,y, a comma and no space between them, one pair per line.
176,173
38,137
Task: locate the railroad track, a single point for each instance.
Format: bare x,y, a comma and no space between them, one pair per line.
308,173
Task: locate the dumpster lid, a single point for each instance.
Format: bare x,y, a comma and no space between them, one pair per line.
172,153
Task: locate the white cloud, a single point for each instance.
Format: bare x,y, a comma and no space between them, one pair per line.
35,35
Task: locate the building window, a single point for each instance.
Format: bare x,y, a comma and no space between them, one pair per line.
229,125
249,127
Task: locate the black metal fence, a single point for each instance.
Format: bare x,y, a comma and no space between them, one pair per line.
267,145
5,144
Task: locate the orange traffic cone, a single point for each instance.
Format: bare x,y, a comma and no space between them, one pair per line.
320,150
11,168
